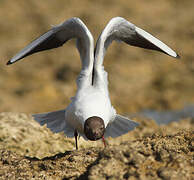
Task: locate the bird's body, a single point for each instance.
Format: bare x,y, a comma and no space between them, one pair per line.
90,112
90,100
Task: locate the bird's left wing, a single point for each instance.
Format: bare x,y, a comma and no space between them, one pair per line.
121,125
119,29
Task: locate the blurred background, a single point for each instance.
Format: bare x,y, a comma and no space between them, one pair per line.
138,79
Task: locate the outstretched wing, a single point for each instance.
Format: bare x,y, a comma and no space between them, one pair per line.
121,125
55,121
57,36
120,29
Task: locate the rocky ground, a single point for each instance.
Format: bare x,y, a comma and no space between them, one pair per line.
29,151
145,79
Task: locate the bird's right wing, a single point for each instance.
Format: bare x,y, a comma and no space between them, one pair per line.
55,121
57,36
121,125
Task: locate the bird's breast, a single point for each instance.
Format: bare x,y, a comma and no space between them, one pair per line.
91,102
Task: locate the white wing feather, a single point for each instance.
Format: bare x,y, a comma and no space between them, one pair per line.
119,29
55,121
121,125
57,36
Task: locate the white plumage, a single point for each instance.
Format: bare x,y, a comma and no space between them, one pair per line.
92,96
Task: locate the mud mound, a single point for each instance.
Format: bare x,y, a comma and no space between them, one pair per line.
166,157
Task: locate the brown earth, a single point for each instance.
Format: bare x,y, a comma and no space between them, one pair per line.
145,79
29,151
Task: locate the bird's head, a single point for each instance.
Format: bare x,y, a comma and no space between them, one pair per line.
94,128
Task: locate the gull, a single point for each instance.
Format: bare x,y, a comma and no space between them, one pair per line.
90,113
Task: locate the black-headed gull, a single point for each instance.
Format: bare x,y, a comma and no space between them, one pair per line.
90,112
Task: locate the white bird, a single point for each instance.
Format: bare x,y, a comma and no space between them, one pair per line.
90,112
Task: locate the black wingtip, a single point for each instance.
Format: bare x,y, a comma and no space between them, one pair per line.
9,62
178,57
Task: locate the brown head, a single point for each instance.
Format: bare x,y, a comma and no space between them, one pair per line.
94,128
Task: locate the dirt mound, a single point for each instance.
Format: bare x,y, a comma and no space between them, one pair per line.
21,134
166,157
29,151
